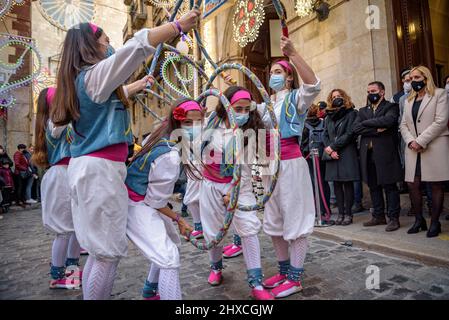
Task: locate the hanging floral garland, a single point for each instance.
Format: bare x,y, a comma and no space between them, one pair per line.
64,15
162,3
248,17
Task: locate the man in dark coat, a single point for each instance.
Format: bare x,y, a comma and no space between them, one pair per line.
377,124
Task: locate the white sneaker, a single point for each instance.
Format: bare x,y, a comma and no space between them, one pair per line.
31,201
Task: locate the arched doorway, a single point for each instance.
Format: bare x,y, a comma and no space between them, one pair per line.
257,56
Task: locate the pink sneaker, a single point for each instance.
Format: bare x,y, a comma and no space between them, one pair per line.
274,281
215,278
226,248
156,297
74,274
286,289
261,294
234,251
197,234
65,283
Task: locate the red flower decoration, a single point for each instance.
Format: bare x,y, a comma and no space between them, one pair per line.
179,114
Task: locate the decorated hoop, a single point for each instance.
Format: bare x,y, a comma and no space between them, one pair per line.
235,190
269,106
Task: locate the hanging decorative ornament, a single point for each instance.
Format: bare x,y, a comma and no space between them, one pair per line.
66,13
7,69
304,8
248,17
6,6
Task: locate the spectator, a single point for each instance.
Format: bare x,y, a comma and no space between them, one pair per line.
406,82
31,182
323,106
377,124
424,128
22,172
446,83
340,153
6,184
312,138
4,155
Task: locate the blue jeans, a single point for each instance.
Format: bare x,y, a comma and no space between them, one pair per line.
28,186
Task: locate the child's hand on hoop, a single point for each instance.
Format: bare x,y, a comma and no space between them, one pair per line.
184,228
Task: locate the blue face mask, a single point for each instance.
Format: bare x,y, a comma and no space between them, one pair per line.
188,132
277,82
110,51
241,119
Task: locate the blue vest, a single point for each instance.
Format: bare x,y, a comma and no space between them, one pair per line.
58,148
100,125
139,169
291,123
227,161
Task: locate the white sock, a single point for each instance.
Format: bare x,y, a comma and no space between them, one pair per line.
251,252
169,284
101,279
153,274
86,272
74,249
194,209
59,250
298,252
280,248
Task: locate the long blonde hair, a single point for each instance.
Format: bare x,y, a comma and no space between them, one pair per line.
430,84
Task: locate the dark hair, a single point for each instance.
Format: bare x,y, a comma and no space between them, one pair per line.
295,84
405,72
255,121
322,105
313,111
445,80
377,83
40,155
165,129
21,146
80,49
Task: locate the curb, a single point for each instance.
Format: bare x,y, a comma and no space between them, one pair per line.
417,256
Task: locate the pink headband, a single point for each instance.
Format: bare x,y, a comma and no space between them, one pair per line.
180,113
93,27
50,95
240,95
286,65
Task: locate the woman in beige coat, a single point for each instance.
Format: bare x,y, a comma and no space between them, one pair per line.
425,131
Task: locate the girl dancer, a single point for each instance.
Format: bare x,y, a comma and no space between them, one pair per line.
151,179
215,188
52,149
290,213
88,96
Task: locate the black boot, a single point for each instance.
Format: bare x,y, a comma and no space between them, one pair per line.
420,225
434,230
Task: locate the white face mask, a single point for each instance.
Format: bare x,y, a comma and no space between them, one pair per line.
407,87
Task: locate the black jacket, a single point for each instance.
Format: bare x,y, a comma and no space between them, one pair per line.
339,126
305,143
385,144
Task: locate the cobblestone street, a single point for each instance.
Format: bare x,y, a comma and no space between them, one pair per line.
333,271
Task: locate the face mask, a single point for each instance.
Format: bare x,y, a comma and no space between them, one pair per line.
109,51
188,132
338,102
241,119
407,87
374,98
277,82
418,85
